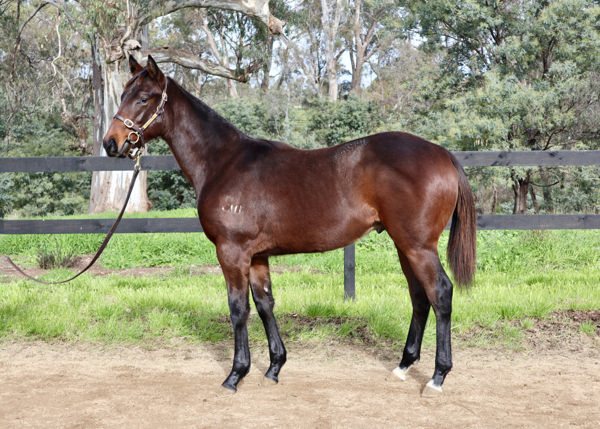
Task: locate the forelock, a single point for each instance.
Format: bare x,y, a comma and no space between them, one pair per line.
131,82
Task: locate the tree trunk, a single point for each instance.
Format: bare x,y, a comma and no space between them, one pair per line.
494,201
109,188
222,59
331,26
534,201
265,83
521,189
357,56
309,71
547,190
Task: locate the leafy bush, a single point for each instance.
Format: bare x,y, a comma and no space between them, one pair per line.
40,194
170,189
334,123
257,118
6,183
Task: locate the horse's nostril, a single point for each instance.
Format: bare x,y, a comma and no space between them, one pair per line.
110,146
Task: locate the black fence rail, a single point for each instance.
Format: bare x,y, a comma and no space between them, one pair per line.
169,225
167,162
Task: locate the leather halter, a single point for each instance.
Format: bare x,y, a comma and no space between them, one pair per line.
138,132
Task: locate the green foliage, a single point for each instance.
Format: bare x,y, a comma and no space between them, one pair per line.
168,190
318,123
508,114
39,194
517,76
254,117
528,86
583,198
334,123
6,205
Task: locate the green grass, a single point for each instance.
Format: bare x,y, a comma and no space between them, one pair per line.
522,276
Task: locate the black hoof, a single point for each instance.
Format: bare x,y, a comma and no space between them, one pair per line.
226,391
229,387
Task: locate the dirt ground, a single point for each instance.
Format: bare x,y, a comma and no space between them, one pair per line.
177,385
552,382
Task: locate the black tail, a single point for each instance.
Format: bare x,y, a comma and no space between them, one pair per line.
462,245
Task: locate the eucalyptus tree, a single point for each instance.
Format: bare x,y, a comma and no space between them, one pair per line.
316,45
374,25
514,75
114,43
41,74
112,31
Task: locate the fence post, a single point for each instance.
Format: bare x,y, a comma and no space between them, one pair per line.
349,272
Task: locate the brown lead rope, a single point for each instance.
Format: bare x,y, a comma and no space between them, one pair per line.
102,246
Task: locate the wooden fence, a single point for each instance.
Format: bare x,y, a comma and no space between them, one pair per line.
167,162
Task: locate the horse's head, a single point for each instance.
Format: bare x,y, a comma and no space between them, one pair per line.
140,115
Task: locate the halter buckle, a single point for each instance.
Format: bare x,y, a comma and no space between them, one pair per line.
134,133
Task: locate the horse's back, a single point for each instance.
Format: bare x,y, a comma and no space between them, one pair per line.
367,171
403,160
406,151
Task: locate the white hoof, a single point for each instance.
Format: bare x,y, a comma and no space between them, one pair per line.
400,373
431,389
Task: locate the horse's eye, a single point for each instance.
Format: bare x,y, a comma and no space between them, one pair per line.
143,100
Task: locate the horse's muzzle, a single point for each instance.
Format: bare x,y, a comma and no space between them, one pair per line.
112,148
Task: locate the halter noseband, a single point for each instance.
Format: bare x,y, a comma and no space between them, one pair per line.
138,132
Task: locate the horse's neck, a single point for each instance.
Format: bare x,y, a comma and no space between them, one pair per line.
201,140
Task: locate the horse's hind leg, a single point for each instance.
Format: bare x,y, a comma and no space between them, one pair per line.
441,299
430,283
260,283
421,306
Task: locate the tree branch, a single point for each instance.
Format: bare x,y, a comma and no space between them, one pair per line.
18,40
185,59
256,8
306,68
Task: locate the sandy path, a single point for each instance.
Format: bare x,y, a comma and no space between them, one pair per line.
71,386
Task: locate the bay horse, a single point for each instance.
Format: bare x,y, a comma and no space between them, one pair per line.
258,198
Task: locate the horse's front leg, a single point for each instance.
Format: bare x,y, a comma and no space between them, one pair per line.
236,273
260,283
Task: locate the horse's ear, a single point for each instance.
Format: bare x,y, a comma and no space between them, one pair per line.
153,70
134,66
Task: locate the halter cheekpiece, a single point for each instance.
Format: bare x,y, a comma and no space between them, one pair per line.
138,132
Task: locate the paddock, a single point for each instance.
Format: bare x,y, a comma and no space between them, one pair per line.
555,383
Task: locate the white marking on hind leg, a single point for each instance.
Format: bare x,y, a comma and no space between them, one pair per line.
431,389
400,373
